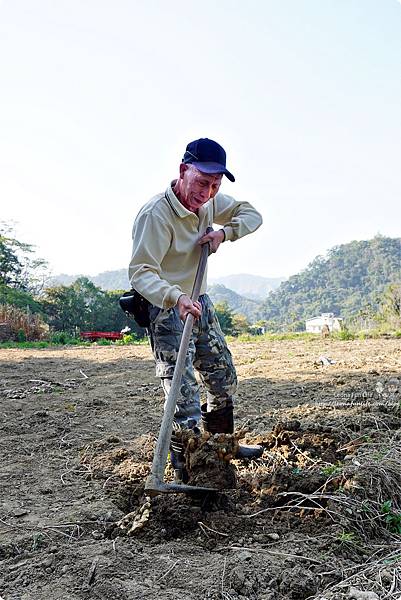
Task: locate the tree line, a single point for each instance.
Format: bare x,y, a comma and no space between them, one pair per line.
66,308
353,281
359,281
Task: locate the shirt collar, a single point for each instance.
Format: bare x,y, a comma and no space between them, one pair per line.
175,204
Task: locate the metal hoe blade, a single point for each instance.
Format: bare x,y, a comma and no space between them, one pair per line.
155,486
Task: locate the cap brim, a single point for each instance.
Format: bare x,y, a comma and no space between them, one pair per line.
212,168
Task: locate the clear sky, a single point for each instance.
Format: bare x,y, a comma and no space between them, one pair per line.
98,100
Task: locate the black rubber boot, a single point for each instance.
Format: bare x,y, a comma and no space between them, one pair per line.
177,458
222,421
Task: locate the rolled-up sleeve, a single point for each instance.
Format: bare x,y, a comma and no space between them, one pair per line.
151,240
237,218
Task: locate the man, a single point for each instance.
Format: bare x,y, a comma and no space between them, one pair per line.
167,237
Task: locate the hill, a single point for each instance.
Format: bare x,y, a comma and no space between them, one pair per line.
107,280
239,304
118,280
250,286
349,279
254,287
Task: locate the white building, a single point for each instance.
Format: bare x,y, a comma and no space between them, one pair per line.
315,325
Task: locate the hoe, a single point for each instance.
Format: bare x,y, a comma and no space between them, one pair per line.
155,482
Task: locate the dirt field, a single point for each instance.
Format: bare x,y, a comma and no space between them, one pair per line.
316,517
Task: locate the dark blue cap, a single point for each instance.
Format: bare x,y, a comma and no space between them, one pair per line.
207,156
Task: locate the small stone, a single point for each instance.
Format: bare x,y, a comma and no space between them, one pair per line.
273,536
362,595
20,512
53,549
244,555
48,561
64,569
97,535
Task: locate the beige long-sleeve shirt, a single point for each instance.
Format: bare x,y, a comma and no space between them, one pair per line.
165,237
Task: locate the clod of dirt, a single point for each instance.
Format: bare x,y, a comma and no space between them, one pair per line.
163,517
125,469
298,584
208,458
300,447
361,595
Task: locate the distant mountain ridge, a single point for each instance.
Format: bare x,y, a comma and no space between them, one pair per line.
118,280
107,280
239,304
351,278
254,287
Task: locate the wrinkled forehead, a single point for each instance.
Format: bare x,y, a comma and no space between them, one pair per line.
209,177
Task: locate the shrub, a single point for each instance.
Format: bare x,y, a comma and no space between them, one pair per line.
64,338
128,338
59,337
103,342
42,344
344,334
19,325
392,518
21,335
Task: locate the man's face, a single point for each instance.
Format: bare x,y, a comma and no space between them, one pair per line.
196,188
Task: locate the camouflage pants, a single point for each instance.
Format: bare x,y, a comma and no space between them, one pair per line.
207,352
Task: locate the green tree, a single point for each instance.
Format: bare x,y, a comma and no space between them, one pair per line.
240,324
19,268
390,306
19,298
348,279
10,265
81,305
85,306
64,308
225,316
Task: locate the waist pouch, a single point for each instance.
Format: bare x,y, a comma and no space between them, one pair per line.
136,306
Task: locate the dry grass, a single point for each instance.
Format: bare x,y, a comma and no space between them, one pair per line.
19,325
373,580
362,498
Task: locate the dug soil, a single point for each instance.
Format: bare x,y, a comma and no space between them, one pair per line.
78,427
